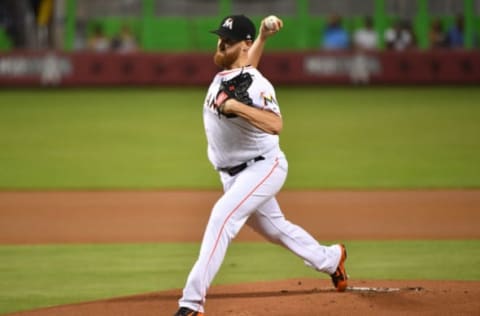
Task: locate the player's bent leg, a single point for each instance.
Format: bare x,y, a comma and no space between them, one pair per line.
270,222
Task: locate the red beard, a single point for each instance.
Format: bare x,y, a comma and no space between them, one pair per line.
225,60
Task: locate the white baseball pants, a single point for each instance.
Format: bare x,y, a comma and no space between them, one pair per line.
250,198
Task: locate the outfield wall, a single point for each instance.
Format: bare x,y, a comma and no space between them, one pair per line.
315,67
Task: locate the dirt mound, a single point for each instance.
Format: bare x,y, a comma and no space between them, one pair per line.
298,297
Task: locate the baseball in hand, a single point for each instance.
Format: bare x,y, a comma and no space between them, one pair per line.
272,22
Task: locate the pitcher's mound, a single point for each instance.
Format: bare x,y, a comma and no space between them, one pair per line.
298,297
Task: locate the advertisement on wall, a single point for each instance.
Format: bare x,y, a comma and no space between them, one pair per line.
291,68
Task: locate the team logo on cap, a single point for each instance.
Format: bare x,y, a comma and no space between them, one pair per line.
228,23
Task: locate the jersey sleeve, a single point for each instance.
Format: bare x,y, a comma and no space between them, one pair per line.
263,96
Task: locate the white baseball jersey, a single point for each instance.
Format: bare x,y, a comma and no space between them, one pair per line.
232,141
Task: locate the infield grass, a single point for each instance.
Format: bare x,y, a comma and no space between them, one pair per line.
39,276
376,138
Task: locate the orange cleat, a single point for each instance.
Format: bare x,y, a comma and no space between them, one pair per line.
339,277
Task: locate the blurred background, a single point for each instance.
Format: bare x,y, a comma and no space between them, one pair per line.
358,34
183,25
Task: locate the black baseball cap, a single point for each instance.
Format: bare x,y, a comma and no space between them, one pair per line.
236,27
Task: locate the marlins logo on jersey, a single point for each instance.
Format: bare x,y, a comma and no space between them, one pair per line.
270,102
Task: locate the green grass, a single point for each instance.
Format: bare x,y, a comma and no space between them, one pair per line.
153,138
384,138
35,276
102,139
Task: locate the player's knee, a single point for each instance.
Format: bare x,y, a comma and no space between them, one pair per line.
216,219
275,236
225,223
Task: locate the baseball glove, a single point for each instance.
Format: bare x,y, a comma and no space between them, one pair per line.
235,88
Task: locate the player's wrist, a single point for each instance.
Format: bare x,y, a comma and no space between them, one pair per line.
227,106
263,36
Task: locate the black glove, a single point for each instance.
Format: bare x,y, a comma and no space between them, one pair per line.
235,88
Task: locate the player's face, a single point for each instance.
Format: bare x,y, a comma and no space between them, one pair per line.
227,52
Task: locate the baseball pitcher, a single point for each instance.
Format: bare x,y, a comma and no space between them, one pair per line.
242,121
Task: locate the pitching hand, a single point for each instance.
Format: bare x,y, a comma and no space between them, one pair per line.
266,32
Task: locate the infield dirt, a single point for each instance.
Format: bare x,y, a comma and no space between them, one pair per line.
78,217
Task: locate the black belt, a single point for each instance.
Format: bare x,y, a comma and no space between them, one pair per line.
239,168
